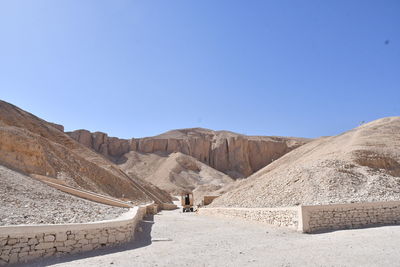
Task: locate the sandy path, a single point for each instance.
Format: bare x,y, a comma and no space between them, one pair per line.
177,239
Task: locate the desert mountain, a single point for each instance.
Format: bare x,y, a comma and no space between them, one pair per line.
29,145
175,172
231,153
362,164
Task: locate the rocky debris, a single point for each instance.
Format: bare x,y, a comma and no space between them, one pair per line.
24,200
361,165
234,154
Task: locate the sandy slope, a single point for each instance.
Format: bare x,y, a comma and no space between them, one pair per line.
359,165
24,200
175,173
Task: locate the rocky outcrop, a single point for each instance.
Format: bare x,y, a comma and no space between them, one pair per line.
234,154
110,147
29,145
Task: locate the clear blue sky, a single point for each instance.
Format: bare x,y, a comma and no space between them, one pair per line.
139,68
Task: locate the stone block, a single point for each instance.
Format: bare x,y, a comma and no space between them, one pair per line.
19,245
69,242
22,255
89,236
23,239
94,241
103,240
39,236
24,249
6,251
83,241
44,245
37,252
64,249
111,239
32,241
12,241
79,236
58,244
60,237
120,236
15,250
49,238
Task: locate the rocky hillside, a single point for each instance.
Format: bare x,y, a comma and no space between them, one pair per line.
27,201
175,173
234,154
31,145
362,164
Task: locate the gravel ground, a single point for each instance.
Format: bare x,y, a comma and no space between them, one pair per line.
24,200
188,239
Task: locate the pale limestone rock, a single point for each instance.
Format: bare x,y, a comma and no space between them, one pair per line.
61,237
44,245
49,238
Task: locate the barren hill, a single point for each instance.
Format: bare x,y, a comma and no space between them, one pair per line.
362,164
175,173
234,154
31,145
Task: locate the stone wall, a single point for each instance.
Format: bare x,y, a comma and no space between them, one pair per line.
347,216
287,217
311,219
24,243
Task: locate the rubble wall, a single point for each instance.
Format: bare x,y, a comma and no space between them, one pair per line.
23,243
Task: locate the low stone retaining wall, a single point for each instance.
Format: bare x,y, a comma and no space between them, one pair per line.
23,243
287,217
346,216
311,219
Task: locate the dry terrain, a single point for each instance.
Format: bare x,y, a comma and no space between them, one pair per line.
360,165
175,173
31,145
27,201
184,239
234,154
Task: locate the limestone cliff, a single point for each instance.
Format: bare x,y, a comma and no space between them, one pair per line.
234,154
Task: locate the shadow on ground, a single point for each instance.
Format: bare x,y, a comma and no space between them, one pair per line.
142,239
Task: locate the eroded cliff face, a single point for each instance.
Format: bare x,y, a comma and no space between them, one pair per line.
31,145
234,154
110,147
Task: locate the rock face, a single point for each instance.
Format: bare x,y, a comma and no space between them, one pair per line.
29,144
110,147
361,165
234,154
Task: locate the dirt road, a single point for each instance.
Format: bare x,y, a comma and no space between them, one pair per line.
187,239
